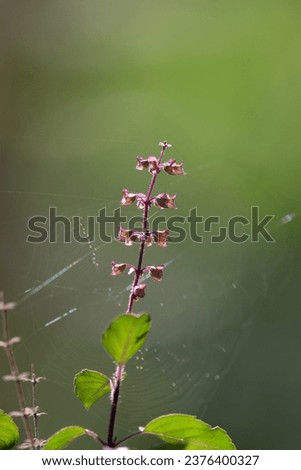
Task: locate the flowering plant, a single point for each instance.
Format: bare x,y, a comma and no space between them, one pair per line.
126,335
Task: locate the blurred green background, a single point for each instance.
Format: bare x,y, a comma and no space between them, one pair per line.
85,88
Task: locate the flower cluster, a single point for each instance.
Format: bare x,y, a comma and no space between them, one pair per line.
130,236
145,237
162,201
153,164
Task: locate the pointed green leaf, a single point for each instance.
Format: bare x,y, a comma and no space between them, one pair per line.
188,430
125,336
90,385
9,433
63,437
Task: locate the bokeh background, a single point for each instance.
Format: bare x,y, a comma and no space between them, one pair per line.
85,88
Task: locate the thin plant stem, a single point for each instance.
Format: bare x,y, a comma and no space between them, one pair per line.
34,407
95,436
15,373
130,436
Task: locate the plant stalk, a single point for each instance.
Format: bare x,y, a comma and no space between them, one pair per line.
15,373
118,378
138,273
34,406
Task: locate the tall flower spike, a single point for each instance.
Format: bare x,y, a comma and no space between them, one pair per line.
145,237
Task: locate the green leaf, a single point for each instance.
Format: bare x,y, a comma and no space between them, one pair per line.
90,385
9,433
188,430
63,437
125,336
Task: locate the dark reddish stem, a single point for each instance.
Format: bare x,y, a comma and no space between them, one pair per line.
118,378
34,383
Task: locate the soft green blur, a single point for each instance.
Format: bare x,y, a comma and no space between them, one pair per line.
85,88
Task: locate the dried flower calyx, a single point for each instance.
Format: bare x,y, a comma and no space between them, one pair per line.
27,444
9,306
11,342
156,272
21,377
130,236
28,411
173,168
160,237
139,292
151,164
118,268
129,198
164,201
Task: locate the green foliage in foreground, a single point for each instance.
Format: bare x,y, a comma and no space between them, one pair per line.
90,385
123,338
9,433
190,432
63,437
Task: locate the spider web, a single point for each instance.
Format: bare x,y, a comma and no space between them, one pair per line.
66,298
